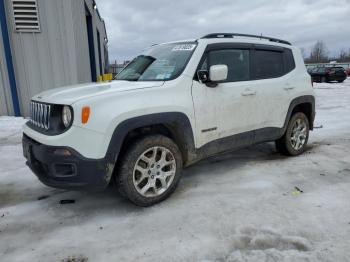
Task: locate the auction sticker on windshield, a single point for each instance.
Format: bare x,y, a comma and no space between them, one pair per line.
184,47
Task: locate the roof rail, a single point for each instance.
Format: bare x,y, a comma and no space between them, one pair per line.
232,35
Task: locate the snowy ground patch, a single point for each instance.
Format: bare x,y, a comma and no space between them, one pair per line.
241,206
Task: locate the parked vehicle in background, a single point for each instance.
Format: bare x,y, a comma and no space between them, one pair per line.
328,74
348,71
171,106
309,70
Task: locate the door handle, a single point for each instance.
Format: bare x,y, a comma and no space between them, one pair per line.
288,87
248,93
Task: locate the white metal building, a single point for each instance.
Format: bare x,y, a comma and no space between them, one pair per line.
46,44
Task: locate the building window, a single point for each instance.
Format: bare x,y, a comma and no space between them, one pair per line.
26,15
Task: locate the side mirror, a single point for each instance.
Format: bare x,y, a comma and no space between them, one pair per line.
203,76
218,73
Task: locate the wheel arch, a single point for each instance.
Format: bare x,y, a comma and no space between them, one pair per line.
175,125
304,104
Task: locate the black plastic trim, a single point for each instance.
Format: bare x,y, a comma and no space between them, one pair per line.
232,35
89,174
223,46
56,125
307,99
177,122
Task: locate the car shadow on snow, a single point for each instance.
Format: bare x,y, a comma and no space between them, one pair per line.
220,164
237,158
109,200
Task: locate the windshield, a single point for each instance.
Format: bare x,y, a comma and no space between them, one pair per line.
159,63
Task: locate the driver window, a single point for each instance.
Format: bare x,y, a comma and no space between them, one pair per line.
237,61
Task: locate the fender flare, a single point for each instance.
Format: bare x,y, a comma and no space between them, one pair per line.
178,124
309,99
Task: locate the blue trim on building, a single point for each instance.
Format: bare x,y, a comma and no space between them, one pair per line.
90,33
8,58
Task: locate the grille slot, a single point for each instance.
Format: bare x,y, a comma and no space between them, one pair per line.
40,114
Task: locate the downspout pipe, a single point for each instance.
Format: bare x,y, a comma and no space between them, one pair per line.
8,58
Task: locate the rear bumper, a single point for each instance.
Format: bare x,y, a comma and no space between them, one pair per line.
63,167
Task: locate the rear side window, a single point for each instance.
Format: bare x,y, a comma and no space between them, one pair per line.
267,64
237,61
249,63
289,63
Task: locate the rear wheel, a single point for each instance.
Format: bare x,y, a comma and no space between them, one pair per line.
323,79
294,141
341,81
150,170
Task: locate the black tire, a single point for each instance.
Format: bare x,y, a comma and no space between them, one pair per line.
284,144
125,175
341,81
323,79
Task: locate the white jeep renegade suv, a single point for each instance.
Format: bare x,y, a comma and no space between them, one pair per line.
171,106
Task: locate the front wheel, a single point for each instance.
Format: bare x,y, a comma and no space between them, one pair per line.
150,170
294,140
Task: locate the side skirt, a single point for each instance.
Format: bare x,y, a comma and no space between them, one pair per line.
236,142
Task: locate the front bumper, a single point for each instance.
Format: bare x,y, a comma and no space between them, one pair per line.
63,167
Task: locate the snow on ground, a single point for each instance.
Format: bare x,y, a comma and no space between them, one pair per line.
237,207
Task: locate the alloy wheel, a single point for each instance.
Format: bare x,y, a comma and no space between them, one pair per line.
154,171
299,134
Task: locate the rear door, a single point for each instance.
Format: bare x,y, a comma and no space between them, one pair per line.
272,80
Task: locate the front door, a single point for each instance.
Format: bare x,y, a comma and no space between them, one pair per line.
229,108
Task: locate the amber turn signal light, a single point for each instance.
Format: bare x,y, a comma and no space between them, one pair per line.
85,113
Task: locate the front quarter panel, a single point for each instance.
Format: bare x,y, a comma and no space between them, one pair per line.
107,112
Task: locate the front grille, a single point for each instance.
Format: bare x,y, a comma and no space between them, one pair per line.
40,114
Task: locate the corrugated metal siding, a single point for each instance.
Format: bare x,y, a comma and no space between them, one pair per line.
58,55
5,96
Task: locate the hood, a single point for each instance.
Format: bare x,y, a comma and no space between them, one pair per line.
71,94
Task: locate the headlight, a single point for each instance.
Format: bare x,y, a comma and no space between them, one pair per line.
67,116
